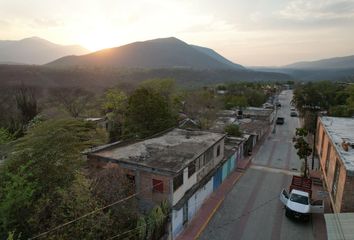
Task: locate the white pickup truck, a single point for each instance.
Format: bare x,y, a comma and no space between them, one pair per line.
298,203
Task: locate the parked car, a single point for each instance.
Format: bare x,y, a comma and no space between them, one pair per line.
280,120
293,114
278,104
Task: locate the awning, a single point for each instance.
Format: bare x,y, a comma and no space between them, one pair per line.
340,226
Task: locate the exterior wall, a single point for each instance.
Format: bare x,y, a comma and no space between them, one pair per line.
193,205
189,182
348,201
177,222
196,201
343,201
148,196
224,171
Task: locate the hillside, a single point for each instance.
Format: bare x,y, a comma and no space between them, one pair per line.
218,57
329,63
12,75
157,53
35,50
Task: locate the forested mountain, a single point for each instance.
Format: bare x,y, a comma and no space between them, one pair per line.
157,53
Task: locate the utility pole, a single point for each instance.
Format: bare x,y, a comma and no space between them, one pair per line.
314,139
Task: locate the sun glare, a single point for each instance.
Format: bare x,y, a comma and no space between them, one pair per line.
98,40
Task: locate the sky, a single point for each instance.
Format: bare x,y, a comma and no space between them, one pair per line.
248,32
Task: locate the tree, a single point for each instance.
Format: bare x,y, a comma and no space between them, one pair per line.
115,106
147,113
35,177
166,87
110,184
26,102
73,100
303,148
235,101
114,100
233,130
203,106
5,136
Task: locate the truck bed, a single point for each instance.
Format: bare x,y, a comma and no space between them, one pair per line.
300,183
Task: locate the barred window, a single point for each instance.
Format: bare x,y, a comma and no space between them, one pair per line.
178,181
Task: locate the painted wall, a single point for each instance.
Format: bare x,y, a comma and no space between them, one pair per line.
224,171
177,222
197,199
190,182
233,161
344,199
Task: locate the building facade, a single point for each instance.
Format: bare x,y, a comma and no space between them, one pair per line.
181,166
335,149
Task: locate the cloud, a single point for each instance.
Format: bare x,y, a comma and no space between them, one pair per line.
318,10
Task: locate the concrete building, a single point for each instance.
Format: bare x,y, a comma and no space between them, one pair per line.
264,114
181,166
335,148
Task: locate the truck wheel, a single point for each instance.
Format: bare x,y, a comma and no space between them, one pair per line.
287,213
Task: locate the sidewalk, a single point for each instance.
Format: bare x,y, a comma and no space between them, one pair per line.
212,204
209,207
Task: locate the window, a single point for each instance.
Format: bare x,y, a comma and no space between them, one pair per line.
199,163
335,181
157,185
191,168
322,143
178,181
328,158
208,155
218,151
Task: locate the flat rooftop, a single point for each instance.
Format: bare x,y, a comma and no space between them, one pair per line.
257,111
171,152
339,130
339,226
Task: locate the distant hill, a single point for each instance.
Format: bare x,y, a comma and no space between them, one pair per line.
329,63
35,50
158,53
336,69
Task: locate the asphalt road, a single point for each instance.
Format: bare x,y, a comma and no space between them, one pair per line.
252,209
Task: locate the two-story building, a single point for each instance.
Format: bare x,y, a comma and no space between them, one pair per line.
177,166
335,148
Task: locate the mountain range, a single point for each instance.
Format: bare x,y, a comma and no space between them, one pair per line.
157,53
35,50
337,68
178,58
329,63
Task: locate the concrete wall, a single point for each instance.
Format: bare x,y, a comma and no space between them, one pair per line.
177,222
344,199
197,199
189,182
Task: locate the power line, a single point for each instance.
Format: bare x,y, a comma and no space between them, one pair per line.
132,230
92,213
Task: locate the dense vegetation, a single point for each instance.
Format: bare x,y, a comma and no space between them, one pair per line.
332,98
44,181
